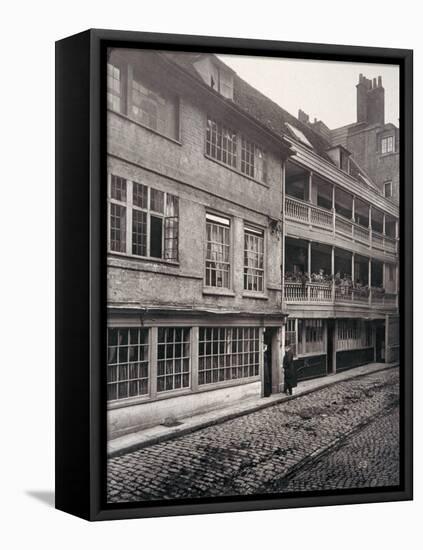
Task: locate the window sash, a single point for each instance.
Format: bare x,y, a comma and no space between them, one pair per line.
253,260
114,87
226,354
153,109
173,358
134,210
127,363
387,144
223,143
218,250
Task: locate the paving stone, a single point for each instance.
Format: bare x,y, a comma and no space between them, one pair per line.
255,453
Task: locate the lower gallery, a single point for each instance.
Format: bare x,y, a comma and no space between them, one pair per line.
164,366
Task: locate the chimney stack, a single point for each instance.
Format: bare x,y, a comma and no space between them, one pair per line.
370,100
303,117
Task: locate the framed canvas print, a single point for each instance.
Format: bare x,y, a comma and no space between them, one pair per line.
234,274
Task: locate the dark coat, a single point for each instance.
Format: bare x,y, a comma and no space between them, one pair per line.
290,370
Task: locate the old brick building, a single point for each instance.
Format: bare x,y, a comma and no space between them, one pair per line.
226,214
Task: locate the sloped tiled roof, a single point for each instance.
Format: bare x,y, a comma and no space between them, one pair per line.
267,111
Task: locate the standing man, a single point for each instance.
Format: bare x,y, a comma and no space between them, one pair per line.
290,371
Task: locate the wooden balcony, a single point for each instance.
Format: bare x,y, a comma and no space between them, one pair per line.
329,293
328,220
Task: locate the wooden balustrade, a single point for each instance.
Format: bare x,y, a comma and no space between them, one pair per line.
329,293
310,214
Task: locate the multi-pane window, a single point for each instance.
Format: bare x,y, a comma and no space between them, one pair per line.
221,143
218,266
227,354
252,160
118,218
388,189
291,335
387,144
113,88
253,259
156,110
154,229
353,334
173,358
127,363
314,330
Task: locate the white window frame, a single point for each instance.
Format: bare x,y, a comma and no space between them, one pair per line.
130,207
243,147
258,273
226,223
386,140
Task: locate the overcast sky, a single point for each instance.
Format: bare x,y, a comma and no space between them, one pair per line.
323,89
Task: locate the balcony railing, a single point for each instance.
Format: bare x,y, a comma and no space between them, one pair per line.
329,220
330,293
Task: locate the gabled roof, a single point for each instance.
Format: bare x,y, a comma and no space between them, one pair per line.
269,113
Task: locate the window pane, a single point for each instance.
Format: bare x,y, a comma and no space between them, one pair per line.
127,373
173,364
156,110
254,260
157,201
139,233
140,193
118,188
156,236
221,143
217,254
117,228
226,354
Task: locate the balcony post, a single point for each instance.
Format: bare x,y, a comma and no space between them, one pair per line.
309,260
332,268
370,226
370,282
353,209
333,208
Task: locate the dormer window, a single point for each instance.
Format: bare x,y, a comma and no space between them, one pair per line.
217,75
387,145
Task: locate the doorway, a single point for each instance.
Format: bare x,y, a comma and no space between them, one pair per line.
267,362
380,343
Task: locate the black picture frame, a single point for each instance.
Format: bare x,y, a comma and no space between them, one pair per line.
81,268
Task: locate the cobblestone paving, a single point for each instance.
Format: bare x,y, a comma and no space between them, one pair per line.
252,453
370,458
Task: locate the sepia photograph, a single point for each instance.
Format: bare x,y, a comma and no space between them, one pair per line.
253,276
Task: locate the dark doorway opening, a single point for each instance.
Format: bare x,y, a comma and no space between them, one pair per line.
330,346
267,362
380,343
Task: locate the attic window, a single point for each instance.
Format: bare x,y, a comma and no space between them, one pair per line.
297,134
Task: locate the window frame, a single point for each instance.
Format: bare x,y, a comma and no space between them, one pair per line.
385,184
219,289
387,139
203,386
130,206
140,397
255,229
240,139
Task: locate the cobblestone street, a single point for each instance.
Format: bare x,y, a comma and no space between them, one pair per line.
258,452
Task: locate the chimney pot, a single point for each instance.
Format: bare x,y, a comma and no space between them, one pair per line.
379,81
